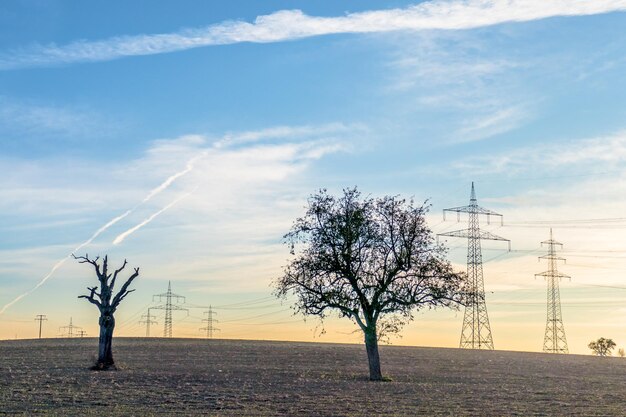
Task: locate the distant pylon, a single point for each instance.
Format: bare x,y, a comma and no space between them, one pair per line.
69,332
476,331
148,321
554,340
82,333
40,318
209,323
168,307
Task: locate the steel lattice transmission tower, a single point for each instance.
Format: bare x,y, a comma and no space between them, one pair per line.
69,329
554,341
476,331
210,320
148,321
168,307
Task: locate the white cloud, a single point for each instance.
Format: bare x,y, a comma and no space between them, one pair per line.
236,185
466,81
285,132
36,118
287,25
484,126
607,150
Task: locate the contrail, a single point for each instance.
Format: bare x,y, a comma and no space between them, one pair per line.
170,180
165,184
120,238
62,261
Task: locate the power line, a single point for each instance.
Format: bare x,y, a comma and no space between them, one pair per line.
255,316
575,221
604,286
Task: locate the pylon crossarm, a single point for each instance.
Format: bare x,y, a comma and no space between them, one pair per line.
490,236
472,209
549,274
551,242
552,257
479,234
170,294
455,233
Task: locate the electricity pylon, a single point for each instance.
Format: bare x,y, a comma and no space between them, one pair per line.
209,323
168,307
148,321
476,331
69,329
40,318
554,340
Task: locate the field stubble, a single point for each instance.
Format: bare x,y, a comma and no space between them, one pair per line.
233,377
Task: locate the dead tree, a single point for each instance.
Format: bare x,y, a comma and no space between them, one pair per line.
107,303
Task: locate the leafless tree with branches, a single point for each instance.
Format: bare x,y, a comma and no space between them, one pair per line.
103,298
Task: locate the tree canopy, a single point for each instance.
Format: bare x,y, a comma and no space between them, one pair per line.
602,346
373,260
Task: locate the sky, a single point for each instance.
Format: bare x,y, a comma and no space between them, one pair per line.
186,137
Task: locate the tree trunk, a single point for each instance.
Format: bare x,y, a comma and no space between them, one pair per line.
371,345
105,352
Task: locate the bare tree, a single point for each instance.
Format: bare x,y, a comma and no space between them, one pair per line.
107,303
602,346
372,260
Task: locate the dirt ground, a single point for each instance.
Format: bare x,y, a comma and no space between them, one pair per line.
249,378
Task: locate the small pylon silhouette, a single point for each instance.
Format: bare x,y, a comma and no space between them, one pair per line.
148,321
210,321
168,307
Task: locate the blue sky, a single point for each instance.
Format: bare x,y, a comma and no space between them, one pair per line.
269,101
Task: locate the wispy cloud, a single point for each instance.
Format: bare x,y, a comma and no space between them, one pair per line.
223,170
487,125
606,150
285,132
36,118
466,80
287,25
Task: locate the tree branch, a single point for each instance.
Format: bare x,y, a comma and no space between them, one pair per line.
90,297
117,271
94,262
124,290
